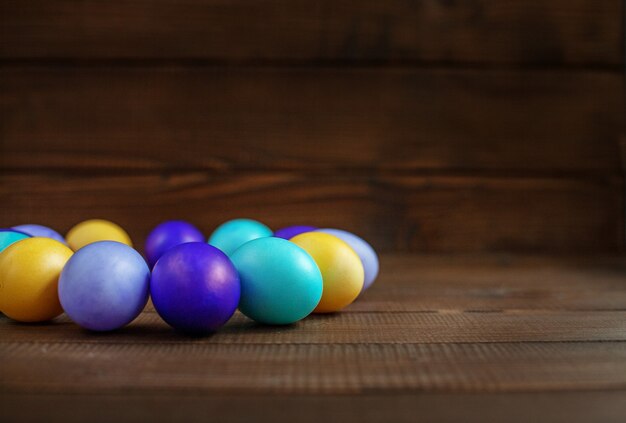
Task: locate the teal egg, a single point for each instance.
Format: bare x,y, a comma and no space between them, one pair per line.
231,235
8,237
280,282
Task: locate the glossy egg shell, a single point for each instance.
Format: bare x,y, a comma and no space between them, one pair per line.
366,253
291,231
104,286
10,236
232,234
95,230
41,231
280,282
341,268
195,287
29,275
167,235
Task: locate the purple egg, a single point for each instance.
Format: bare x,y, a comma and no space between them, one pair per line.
41,231
167,235
195,287
291,231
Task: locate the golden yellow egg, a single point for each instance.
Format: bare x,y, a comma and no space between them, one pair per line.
341,268
95,230
29,276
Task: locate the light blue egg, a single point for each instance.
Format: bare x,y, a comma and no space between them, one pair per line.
231,235
104,285
280,282
41,231
8,237
364,250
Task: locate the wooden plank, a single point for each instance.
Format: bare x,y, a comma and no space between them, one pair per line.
434,283
356,120
421,213
351,328
483,31
449,365
101,368
566,407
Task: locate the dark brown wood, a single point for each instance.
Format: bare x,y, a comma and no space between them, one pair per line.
349,120
338,369
534,154
475,283
483,31
349,328
432,126
535,358
427,213
560,407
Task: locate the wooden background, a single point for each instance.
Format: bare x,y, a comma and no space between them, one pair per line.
429,126
432,126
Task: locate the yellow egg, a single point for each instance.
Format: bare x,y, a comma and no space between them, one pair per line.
342,270
29,275
95,230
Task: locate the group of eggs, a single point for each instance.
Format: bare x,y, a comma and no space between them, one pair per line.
102,283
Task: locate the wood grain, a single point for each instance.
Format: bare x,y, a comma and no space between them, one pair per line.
221,118
94,368
481,31
394,213
566,407
352,328
478,283
450,364
431,126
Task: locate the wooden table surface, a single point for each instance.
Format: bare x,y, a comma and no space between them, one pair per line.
437,338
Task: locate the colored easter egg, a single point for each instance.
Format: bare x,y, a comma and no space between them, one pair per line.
280,282
104,286
195,287
95,230
10,236
232,234
291,231
169,234
341,268
29,275
366,253
40,230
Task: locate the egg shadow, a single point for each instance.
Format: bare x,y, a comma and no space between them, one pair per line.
57,321
249,326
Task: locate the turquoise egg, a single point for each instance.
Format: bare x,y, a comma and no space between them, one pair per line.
8,237
231,235
280,282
